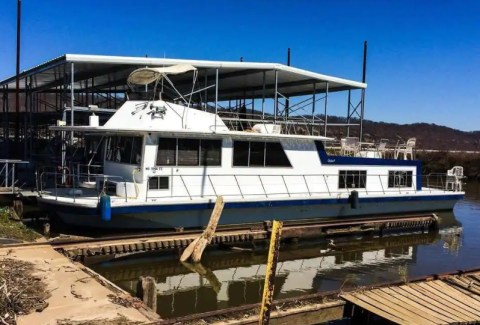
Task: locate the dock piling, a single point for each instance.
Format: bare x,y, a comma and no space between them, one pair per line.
147,291
270,273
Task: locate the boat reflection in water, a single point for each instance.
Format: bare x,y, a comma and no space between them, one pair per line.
234,278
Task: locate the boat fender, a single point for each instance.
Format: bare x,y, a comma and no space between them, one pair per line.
354,201
105,207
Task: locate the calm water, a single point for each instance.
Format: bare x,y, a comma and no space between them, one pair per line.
228,278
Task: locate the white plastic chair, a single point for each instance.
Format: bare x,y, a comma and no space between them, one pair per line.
382,148
350,146
454,178
406,149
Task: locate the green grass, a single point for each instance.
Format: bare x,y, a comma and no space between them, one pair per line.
13,229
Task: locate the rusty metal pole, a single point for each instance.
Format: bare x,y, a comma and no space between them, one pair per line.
17,79
270,273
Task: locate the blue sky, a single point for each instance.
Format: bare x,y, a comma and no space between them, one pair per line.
423,64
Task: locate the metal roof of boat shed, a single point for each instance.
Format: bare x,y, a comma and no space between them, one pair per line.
236,79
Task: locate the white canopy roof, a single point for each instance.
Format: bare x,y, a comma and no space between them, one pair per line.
145,76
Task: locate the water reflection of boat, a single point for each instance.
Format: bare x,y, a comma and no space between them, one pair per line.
236,278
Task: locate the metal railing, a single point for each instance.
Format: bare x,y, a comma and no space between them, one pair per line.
7,174
313,184
62,183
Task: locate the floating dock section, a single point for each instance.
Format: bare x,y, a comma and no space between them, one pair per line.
453,299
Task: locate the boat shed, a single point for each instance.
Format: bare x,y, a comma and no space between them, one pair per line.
47,93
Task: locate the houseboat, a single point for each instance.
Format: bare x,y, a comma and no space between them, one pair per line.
166,158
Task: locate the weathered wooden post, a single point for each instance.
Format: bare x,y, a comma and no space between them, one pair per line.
147,291
46,229
270,273
196,247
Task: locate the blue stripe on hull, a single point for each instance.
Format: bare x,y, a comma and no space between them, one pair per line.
197,214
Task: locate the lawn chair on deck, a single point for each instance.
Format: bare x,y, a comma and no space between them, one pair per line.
350,146
454,178
406,149
382,148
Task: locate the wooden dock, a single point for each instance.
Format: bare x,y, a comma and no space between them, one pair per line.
178,240
453,299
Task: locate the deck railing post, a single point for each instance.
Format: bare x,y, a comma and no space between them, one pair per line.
13,178
286,187
184,185
306,184
263,187
236,180
213,187
326,184
381,184
6,174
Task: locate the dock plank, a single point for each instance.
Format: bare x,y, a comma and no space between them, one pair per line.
373,308
452,307
450,293
458,317
399,309
434,315
419,300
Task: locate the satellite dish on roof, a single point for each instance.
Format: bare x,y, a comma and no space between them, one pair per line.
145,76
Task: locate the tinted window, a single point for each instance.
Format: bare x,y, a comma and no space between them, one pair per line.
240,153
210,152
166,155
257,154
158,183
127,150
399,178
188,152
352,179
275,156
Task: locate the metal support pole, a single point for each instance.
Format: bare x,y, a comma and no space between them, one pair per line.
216,98
326,105
206,94
72,101
364,79
269,286
364,70
362,109
348,112
314,95
25,126
263,95
276,97
17,79
287,100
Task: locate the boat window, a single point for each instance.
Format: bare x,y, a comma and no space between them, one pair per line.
189,152
259,154
352,179
167,152
275,156
210,152
158,183
399,178
240,153
123,149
